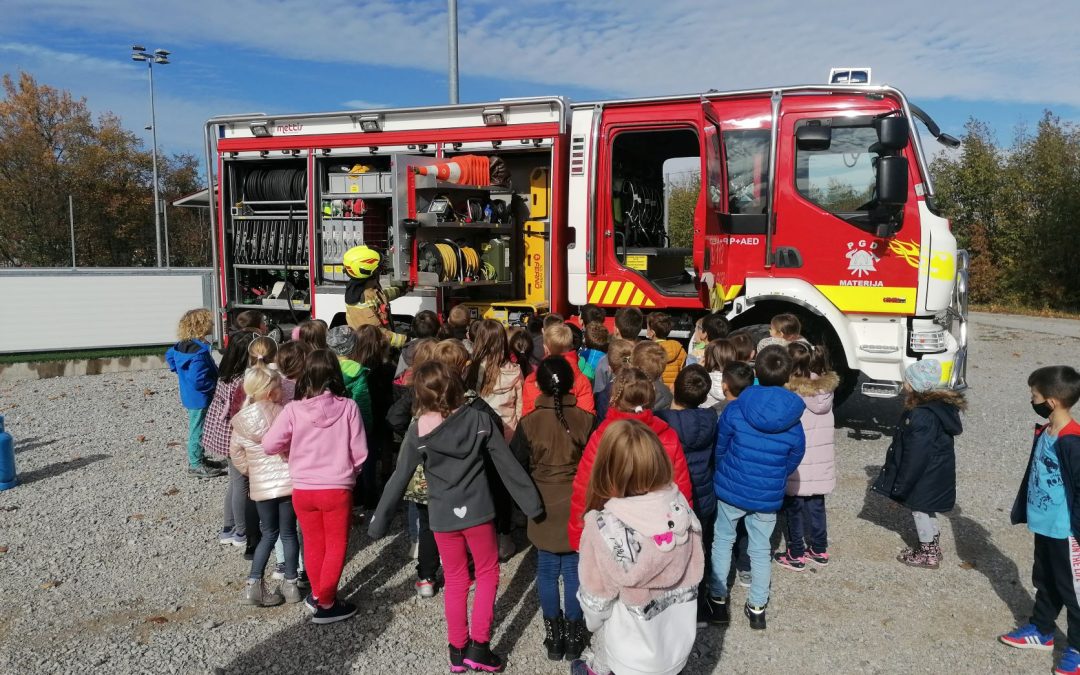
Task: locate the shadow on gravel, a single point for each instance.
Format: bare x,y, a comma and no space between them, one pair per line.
32,443
884,512
59,468
708,647
523,585
975,548
305,647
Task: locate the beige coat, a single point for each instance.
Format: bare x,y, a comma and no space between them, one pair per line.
505,398
268,475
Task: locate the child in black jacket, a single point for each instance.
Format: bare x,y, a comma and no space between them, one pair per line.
920,466
1049,502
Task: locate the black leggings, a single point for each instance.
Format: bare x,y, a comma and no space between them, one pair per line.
276,517
427,557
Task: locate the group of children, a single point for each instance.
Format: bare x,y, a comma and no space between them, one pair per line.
644,472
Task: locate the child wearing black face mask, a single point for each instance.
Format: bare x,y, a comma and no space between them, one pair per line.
1049,503
920,466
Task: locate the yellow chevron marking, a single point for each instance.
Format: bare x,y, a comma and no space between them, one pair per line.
636,300
627,291
597,292
612,291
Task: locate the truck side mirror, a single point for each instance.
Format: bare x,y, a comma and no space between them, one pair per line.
811,137
892,132
892,181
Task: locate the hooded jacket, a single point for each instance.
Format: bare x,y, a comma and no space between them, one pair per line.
323,439
1068,453
920,465
459,496
759,442
696,429
582,390
816,474
640,566
668,438
676,357
194,366
356,383
551,454
506,399
268,475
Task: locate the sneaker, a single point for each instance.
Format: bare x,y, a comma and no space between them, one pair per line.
339,611
414,550
204,471
817,558
789,562
257,594
1028,637
457,659
425,588
290,591
279,572
745,578
756,616
507,547
478,656
718,612
226,536
1069,663
216,464
310,603
238,539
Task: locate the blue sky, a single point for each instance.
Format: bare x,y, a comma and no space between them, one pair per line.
999,61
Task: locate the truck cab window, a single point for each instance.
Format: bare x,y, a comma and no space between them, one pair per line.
841,178
747,154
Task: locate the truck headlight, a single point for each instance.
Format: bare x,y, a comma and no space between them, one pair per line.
932,342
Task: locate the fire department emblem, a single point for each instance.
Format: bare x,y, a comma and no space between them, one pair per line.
861,258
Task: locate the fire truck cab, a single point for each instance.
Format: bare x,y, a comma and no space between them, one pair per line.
814,200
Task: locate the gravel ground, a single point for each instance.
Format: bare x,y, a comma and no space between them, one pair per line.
110,563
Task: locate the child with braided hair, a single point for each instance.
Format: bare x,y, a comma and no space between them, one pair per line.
548,442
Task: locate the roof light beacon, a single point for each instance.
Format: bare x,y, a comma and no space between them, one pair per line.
848,75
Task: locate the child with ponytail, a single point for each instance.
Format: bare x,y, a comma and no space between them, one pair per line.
549,442
632,397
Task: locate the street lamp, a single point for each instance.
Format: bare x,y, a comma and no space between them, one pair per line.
160,57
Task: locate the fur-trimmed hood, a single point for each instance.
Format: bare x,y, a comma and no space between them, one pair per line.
815,384
947,396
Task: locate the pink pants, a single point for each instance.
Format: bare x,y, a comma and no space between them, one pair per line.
324,519
454,548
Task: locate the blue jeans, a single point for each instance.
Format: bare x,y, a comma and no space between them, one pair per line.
196,418
549,567
759,528
805,513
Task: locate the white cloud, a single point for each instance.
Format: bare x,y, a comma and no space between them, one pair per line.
361,104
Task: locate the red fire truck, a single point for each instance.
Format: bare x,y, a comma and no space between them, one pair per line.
814,200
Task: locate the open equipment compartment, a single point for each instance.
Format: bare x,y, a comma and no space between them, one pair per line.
266,237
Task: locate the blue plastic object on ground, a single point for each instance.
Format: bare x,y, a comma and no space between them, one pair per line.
8,477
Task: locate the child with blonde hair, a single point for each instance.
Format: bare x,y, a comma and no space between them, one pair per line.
270,487
651,358
641,559
559,341
194,366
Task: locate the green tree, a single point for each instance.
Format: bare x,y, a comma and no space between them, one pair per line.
681,204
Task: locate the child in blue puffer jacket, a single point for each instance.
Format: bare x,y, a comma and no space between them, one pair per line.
759,443
190,359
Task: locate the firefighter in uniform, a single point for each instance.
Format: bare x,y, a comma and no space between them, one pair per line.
366,302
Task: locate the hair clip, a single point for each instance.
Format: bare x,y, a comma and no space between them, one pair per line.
554,378
638,409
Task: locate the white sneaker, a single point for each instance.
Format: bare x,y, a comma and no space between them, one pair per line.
414,550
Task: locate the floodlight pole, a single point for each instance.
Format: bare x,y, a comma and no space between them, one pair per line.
153,135
453,51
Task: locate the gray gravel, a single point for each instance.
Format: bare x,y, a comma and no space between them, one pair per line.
111,562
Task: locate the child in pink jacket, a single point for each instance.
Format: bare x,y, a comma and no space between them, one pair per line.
640,559
804,506
323,437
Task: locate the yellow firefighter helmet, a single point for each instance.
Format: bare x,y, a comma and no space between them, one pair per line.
360,262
